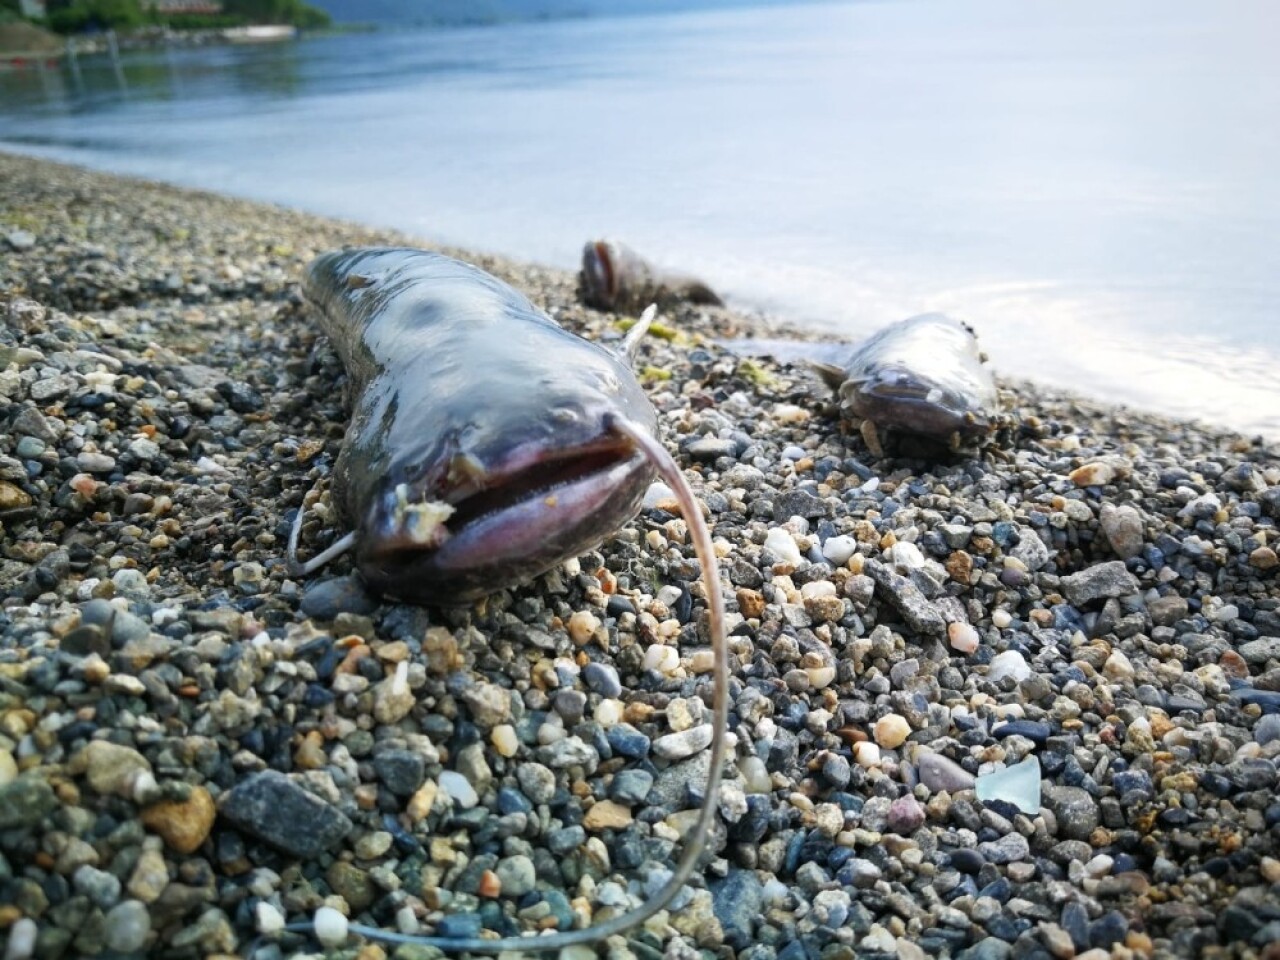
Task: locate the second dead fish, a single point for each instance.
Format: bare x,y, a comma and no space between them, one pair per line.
924,376
615,277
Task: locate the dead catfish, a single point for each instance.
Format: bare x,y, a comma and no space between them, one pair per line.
923,377
615,277
483,446
486,445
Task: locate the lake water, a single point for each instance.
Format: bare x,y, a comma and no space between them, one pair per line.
1092,185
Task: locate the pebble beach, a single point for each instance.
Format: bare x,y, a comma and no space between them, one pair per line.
1023,702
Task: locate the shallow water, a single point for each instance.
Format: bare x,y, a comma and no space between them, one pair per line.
1091,185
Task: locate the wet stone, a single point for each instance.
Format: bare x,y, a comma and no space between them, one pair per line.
1030,550
536,781
327,599
1108,929
905,816
603,679
1098,582
1076,811
352,884
711,448
274,809
1036,732
737,901
798,503
940,773
967,860
1008,849
919,613
401,771
240,397
128,925
631,786
1123,528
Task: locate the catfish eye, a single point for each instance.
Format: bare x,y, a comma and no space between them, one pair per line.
565,415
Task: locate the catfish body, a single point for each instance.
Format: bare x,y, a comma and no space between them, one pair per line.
615,277
479,453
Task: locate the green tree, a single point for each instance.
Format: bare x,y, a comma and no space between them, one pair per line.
277,11
95,15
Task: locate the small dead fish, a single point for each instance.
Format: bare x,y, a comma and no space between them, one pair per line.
923,377
487,444
615,277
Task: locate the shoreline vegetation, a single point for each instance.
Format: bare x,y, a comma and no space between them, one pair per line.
136,23
141,23
197,749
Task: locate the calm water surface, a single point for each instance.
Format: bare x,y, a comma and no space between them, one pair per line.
1092,185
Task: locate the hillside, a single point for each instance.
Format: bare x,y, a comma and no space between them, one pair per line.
22,37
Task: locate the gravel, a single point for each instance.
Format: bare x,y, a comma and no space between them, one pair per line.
197,749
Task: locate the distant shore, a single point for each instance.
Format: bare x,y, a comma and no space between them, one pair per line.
197,748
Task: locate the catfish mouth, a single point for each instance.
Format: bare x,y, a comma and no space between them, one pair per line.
896,399
512,525
540,479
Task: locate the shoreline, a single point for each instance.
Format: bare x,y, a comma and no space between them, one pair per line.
1102,594
744,320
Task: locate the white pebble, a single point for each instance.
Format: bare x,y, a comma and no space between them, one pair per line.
407,920
775,892
962,637
330,927
790,413
669,595
1099,866
821,677
839,549
879,940
551,730
678,746
268,919
460,789
1224,614
755,775
783,546
662,658
209,465
817,588
1117,667
906,556
144,449
656,494
866,754
1001,619
892,730
1008,664
22,939
608,713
